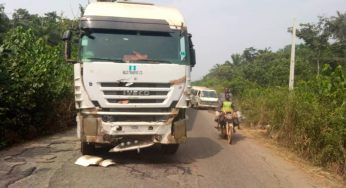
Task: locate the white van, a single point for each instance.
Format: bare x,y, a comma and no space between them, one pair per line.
203,97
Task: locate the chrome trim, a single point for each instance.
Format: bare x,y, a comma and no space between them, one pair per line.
134,147
134,97
134,123
133,88
131,113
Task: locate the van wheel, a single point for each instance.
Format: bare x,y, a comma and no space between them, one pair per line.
169,148
87,148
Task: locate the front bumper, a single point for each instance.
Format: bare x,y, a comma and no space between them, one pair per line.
130,135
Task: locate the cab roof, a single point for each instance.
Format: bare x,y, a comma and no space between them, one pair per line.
136,10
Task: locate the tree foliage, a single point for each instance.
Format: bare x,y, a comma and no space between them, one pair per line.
35,82
4,22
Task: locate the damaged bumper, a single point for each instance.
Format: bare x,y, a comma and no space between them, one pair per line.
131,135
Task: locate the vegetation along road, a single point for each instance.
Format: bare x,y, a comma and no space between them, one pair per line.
37,99
205,160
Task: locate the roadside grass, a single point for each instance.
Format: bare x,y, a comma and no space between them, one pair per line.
325,176
311,120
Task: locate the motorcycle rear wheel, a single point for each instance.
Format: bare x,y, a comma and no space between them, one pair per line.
229,134
222,131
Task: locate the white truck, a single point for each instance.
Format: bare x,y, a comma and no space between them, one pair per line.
132,76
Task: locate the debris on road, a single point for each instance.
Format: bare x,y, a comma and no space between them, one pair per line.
107,163
89,160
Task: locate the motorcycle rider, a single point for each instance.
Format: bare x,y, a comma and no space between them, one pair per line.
220,101
222,96
226,107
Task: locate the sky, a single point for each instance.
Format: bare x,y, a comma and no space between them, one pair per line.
220,28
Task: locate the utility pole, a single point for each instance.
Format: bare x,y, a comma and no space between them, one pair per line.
293,51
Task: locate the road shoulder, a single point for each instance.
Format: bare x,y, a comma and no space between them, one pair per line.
319,175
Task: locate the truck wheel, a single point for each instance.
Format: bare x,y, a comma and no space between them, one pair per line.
87,148
170,148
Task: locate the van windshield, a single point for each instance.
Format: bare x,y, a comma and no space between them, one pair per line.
210,94
133,46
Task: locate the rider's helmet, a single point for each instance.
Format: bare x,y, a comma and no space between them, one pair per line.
227,96
226,90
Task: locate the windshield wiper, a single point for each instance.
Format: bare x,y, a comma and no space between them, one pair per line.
104,59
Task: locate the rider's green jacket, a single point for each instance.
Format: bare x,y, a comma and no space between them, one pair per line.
227,106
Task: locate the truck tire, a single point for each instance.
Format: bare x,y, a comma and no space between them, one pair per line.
169,148
87,148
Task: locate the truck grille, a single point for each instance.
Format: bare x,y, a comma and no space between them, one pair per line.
122,84
135,93
137,101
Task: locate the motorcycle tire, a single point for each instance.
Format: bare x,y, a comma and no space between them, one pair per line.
229,134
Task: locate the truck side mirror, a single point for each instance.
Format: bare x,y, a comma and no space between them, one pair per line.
193,57
192,51
67,36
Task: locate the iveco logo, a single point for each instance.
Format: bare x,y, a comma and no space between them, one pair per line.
133,70
136,93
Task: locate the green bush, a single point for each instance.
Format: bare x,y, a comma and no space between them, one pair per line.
34,81
311,119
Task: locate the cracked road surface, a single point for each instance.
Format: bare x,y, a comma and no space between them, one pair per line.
205,160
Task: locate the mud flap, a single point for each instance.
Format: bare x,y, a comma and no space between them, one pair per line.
179,130
89,129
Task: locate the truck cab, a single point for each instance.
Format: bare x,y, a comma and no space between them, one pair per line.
132,77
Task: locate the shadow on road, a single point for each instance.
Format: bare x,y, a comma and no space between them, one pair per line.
237,137
195,148
152,155
192,114
200,148
192,117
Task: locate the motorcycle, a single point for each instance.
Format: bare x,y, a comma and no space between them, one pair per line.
226,126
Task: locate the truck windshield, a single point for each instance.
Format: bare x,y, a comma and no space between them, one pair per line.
133,46
210,94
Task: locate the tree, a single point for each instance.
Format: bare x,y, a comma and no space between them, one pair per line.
237,59
22,17
250,54
315,36
50,28
34,78
337,27
35,82
4,22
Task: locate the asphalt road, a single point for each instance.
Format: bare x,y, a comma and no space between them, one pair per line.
205,160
